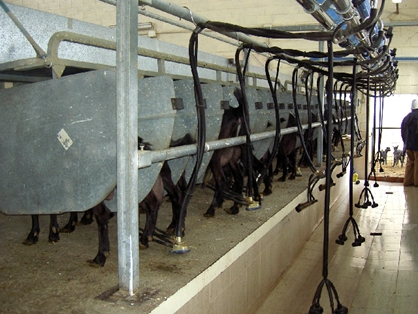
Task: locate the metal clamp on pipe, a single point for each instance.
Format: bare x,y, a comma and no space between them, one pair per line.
144,158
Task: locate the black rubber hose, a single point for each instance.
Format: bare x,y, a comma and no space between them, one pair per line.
246,122
201,131
273,90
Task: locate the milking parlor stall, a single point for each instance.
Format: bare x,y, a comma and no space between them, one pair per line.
92,118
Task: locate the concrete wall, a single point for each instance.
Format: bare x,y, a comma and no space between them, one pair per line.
240,281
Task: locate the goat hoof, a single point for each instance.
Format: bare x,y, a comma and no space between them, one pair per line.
208,215
143,246
68,228
92,263
87,220
231,211
54,237
30,241
99,260
267,192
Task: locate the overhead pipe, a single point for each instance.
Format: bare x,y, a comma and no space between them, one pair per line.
335,14
331,14
315,27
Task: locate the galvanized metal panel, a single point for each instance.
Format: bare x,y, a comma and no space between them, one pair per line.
253,98
266,121
58,144
213,95
285,100
303,112
155,123
184,122
228,96
258,111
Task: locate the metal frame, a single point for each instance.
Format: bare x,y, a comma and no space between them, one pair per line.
127,145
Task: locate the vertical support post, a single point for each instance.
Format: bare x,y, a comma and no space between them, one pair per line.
127,144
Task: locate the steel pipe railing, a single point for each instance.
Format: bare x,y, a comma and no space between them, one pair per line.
146,158
64,36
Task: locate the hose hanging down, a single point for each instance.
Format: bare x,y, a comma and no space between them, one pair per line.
179,246
246,122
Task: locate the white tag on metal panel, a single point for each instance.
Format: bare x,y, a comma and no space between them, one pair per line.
64,139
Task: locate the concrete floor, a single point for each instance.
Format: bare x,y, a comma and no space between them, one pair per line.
380,276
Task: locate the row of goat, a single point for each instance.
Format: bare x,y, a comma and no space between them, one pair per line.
227,168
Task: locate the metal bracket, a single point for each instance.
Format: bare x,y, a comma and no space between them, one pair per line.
144,158
177,103
258,105
225,104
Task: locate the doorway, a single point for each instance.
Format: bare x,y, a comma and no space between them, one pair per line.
395,108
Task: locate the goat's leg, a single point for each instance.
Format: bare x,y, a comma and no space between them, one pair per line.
175,195
217,201
292,160
283,161
102,215
70,226
267,180
150,223
238,187
87,218
278,165
33,235
152,204
54,229
220,185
